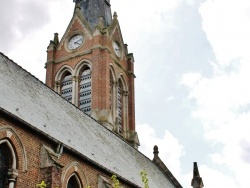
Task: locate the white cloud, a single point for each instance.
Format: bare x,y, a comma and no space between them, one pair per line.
191,79
170,150
227,26
149,7
223,100
222,107
150,18
190,2
32,24
170,98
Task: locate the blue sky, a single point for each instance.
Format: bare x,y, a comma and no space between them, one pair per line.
192,66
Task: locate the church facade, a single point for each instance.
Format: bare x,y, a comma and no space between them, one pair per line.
78,129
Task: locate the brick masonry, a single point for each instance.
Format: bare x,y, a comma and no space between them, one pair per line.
30,141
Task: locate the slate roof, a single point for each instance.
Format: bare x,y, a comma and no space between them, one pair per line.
28,99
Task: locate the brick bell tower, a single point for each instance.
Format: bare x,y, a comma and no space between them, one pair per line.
91,68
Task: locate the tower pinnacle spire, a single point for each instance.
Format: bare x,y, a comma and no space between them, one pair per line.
92,10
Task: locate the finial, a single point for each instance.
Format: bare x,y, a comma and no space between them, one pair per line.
197,180
56,40
156,151
196,171
115,15
78,6
101,22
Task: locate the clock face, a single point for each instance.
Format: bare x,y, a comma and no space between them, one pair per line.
75,42
117,49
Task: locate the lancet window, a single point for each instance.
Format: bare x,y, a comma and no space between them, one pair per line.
5,164
73,182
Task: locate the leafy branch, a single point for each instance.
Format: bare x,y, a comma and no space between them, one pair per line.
115,181
144,179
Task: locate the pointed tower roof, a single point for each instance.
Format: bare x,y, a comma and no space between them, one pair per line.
93,10
197,180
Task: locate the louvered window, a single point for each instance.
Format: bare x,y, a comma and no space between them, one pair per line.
5,162
120,106
111,91
66,89
85,91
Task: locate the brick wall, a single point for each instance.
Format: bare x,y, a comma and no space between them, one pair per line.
24,138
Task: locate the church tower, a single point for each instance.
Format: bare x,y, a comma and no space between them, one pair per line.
91,68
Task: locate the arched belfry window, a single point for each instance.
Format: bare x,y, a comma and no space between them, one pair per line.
5,164
120,106
66,86
85,90
74,182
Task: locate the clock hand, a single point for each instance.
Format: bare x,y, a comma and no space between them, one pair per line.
77,43
79,40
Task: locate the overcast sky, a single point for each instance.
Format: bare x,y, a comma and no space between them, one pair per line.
192,62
